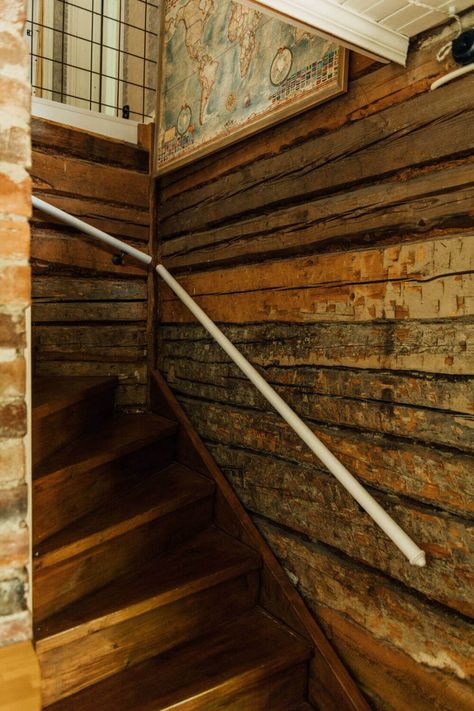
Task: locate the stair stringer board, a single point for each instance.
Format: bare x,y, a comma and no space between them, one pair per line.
331,687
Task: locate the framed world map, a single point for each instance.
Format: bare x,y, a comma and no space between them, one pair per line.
228,70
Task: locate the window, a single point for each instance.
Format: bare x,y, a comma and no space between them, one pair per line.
99,55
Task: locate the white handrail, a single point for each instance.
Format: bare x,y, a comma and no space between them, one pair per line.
415,555
72,221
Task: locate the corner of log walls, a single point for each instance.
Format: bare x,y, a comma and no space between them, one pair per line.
89,316
337,251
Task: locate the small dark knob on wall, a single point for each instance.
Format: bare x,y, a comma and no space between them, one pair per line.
463,47
117,259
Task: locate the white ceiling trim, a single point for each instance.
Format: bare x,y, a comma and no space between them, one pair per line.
341,23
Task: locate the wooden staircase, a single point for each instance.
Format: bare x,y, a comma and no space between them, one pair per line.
146,595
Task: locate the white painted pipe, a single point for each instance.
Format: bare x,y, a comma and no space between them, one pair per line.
452,75
89,230
415,555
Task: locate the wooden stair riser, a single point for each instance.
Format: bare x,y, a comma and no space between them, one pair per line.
59,585
93,657
64,496
53,431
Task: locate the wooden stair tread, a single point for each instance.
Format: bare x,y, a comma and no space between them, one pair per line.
206,560
52,393
161,493
235,656
121,434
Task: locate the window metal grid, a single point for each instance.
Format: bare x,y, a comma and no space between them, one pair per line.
95,54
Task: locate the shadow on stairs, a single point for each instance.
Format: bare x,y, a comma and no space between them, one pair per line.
149,593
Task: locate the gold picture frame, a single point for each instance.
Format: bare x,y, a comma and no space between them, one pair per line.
175,146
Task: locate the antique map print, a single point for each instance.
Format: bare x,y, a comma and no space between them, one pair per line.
229,70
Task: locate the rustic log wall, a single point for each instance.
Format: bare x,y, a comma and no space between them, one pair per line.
89,316
337,251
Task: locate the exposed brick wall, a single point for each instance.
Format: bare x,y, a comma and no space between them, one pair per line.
15,206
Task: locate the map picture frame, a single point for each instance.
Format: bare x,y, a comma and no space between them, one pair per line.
167,161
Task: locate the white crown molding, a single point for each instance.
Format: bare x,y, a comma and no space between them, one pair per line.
340,23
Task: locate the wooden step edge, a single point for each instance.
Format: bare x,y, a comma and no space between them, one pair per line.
95,387
275,662
75,548
242,681
284,651
46,644
49,467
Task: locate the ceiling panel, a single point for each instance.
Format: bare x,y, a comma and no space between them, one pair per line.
377,28
403,16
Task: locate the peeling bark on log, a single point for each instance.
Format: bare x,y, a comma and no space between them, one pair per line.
445,347
419,424
424,280
440,641
315,505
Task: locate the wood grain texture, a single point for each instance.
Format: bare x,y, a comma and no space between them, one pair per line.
313,504
19,678
214,673
390,141
439,641
337,255
106,184
56,138
82,403
83,476
277,594
441,199
181,596
426,280
58,586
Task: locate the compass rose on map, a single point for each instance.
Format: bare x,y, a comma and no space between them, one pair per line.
281,65
184,119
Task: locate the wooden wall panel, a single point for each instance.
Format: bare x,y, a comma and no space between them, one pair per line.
337,252
89,315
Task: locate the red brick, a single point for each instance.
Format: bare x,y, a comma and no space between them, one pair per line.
15,92
15,145
12,47
13,419
12,378
13,504
13,11
15,285
12,460
14,240
14,546
12,330
15,198
15,628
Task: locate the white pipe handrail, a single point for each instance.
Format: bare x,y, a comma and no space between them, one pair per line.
415,555
77,224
